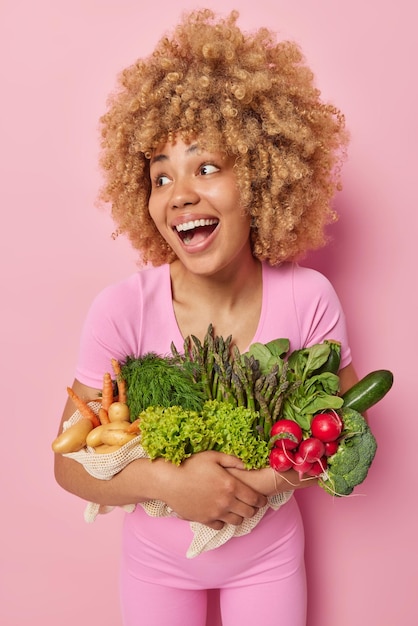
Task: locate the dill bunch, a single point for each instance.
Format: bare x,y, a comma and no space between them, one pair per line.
153,380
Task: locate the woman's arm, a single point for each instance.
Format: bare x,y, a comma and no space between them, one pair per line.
348,378
201,489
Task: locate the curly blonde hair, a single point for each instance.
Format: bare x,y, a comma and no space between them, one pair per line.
252,96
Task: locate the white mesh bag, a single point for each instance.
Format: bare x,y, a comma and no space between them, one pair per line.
105,466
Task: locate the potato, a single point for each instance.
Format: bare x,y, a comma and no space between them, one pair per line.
94,438
73,438
116,437
105,449
125,426
118,411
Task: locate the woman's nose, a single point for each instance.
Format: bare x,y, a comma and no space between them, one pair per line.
183,194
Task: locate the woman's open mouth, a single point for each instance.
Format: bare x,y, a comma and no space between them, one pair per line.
196,231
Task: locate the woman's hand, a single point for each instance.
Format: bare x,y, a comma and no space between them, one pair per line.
203,489
269,482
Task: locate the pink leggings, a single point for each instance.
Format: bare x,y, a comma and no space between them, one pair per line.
260,576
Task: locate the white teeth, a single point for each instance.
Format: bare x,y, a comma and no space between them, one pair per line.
195,224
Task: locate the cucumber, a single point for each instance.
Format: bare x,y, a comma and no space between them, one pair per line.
368,391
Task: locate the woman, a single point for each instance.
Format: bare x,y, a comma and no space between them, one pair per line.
220,164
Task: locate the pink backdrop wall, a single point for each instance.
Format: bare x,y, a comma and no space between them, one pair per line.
58,63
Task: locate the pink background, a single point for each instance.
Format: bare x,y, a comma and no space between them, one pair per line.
58,63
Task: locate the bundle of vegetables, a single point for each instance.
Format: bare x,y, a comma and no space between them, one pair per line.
265,406
319,433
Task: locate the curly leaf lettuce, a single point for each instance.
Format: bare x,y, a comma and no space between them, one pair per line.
174,433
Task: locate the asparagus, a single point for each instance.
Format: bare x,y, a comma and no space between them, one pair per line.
227,375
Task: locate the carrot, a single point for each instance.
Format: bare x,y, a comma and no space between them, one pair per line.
83,407
107,391
103,416
134,427
121,383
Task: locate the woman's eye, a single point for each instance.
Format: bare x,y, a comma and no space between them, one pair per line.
208,168
161,180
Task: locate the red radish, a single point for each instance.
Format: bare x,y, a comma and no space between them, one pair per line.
287,432
280,459
331,447
326,426
301,465
318,467
311,449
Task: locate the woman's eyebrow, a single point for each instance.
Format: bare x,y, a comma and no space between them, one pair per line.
194,147
158,158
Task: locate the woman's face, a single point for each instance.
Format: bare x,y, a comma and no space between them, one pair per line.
195,204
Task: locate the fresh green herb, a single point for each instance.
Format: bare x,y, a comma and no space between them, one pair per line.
157,381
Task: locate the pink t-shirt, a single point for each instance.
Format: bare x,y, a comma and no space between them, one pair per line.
136,316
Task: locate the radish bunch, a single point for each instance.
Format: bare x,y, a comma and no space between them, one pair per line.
305,451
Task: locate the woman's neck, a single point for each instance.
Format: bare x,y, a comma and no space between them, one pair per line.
230,301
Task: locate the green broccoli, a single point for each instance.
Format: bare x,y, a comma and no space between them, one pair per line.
349,466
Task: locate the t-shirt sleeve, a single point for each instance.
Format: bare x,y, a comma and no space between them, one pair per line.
319,311
108,332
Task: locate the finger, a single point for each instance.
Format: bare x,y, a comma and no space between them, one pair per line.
229,461
242,510
239,514
234,519
249,497
218,525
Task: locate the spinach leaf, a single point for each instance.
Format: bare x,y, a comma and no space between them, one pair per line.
307,360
